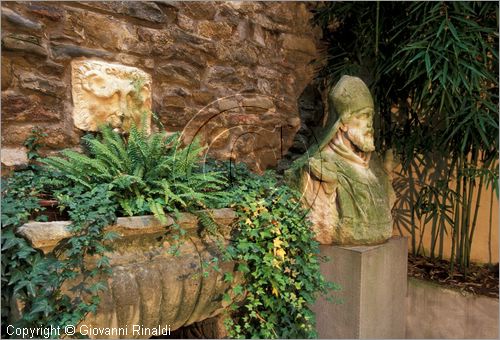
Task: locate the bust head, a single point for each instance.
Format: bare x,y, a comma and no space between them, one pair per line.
354,107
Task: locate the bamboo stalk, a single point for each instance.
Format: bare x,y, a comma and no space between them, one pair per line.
489,230
441,237
454,242
470,225
420,247
412,210
464,223
433,231
445,199
476,212
463,215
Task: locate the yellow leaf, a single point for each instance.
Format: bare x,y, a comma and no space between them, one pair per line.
277,242
275,291
281,253
248,221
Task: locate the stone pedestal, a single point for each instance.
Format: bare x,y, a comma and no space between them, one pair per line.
373,282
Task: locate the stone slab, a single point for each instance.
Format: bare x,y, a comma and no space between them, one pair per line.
46,235
373,282
435,312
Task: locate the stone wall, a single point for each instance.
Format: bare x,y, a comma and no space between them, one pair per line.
435,312
251,58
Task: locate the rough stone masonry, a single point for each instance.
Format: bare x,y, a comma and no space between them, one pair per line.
251,58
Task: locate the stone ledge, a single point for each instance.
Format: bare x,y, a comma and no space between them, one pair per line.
46,235
435,311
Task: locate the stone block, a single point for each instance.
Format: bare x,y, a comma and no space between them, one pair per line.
266,72
186,23
120,35
223,77
66,51
19,107
261,102
263,20
258,35
186,53
58,136
198,10
46,85
296,43
24,43
203,97
215,30
180,73
226,104
50,12
20,21
190,38
143,10
6,73
435,311
43,235
153,42
46,235
14,156
373,289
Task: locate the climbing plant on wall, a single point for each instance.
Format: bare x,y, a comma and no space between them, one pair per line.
279,258
272,245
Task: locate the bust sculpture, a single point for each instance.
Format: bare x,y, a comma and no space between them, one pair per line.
343,183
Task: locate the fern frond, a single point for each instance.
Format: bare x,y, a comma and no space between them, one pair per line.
102,152
93,167
125,204
208,223
117,145
161,170
186,158
127,181
68,169
157,211
156,146
138,143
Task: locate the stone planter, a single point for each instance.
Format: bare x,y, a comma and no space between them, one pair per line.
149,286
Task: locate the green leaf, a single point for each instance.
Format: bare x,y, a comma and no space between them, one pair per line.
238,289
41,305
228,277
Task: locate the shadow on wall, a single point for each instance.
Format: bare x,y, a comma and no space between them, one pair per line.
250,128
410,186
312,118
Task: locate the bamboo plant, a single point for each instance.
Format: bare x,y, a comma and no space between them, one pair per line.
433,69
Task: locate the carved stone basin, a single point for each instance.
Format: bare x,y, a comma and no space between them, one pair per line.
150,287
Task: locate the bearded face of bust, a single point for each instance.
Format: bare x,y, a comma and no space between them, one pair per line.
359,130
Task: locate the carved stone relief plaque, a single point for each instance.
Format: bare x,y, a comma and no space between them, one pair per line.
106,93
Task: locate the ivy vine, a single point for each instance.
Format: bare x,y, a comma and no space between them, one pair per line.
273,245
275,250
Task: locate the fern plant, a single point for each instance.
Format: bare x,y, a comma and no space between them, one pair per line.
145,173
